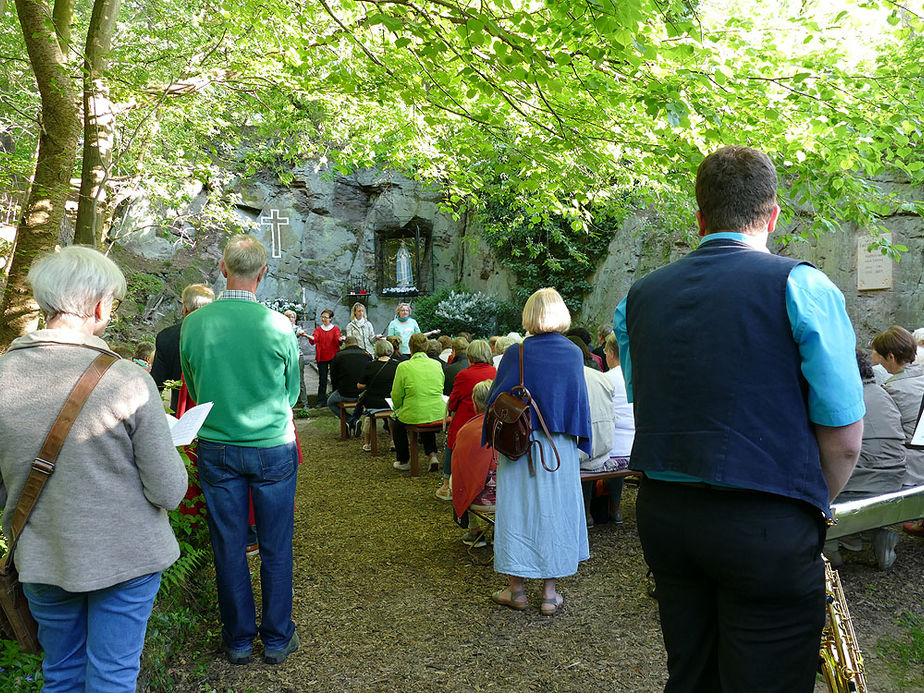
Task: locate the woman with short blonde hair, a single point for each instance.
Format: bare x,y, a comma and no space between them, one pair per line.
545,311
540,530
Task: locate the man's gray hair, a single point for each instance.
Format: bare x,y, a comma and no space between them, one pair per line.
383,348
73,280
244,256
197,295
351,341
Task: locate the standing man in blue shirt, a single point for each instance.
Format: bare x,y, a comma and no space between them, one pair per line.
749,418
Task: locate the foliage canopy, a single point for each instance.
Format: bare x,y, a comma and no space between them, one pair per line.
561,108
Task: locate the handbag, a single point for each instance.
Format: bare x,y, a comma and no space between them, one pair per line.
509,425
16,621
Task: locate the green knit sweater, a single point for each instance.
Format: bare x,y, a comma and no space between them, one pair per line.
243,357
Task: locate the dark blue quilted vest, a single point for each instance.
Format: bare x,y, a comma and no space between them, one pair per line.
716,378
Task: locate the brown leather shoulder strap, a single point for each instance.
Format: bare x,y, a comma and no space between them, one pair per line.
44,464
549,436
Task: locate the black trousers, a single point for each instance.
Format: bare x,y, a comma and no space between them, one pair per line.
403,446
323,367
740,584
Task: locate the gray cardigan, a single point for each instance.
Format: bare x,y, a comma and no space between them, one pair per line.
881,467
907,389
101,519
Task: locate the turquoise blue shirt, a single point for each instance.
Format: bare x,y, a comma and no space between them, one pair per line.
826,342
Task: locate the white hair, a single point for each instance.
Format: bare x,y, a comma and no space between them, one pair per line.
197,295
918,335
73,280
500,346
514,337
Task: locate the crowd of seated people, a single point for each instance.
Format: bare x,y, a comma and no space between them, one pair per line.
420,381
478,368
880,468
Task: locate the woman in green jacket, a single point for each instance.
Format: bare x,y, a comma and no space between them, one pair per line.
417,398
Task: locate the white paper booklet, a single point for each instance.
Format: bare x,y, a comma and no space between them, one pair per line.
918,437
184,429
391,404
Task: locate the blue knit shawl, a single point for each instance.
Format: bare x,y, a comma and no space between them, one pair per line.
553,372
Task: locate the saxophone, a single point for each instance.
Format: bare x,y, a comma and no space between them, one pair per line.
841,663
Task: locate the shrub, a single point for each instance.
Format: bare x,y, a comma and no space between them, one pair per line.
463,310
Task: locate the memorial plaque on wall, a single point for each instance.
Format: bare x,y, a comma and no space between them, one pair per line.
874,270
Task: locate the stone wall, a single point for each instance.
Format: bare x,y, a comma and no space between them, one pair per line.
332,226
329,238
638,247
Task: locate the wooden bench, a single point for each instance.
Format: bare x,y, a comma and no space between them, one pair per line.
343,411
373,419
618,474
412,431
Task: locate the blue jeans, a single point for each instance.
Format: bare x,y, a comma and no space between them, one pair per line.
92,640
333,403
226,473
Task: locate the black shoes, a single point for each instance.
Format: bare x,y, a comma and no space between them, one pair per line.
236,656
279,656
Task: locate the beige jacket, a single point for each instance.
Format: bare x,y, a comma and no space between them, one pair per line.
102,517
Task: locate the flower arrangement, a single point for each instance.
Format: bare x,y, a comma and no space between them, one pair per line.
400,291
281,305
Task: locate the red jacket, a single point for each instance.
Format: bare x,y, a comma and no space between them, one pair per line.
460,399
471,462
326,342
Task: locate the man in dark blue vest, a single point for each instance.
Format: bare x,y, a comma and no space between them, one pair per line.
748,420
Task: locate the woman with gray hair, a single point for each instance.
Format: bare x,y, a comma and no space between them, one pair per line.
460,403
474,478
90,580
375,385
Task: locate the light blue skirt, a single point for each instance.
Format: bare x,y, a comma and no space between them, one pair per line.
540,527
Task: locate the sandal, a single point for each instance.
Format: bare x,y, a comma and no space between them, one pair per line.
550,606
514,600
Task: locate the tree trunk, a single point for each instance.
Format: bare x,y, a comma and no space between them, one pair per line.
62,17
98,123
37,230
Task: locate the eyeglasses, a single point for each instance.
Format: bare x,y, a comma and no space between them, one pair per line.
116,302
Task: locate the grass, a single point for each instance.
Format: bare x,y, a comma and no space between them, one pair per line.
903,652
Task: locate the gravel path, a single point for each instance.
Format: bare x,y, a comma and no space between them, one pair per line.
388,599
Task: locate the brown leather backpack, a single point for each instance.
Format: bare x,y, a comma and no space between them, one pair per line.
509,425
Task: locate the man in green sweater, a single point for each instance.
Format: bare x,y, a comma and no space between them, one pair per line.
243,358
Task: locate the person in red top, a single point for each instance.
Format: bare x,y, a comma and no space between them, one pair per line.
460,402
326,340
474,475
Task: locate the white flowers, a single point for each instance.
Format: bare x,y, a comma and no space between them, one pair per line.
281,305
469,308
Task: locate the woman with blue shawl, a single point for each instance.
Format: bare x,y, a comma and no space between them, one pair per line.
540,529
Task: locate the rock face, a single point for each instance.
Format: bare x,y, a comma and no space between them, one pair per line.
326,232
637,249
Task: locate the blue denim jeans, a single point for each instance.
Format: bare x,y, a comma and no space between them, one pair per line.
333,402
92,640
227,473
